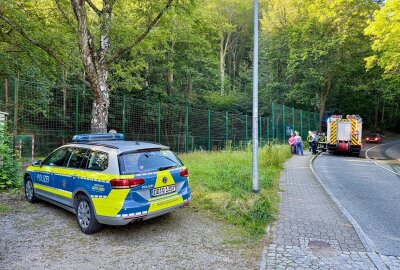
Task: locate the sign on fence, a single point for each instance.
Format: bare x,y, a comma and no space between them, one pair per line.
288,131
3,117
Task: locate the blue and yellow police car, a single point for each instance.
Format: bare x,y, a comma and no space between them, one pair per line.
104,179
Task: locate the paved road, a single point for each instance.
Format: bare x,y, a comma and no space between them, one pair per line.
386,155
368,192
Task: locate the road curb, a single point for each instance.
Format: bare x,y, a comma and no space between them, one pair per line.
368,245
263,264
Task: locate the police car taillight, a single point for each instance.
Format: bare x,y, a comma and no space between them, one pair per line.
184,173
126,183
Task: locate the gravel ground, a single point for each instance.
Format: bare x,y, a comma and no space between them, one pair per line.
43,236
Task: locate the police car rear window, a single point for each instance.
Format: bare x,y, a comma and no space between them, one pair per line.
149,161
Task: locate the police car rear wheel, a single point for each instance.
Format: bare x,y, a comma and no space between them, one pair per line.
85,216
29,190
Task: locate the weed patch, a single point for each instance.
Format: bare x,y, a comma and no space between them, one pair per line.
4,209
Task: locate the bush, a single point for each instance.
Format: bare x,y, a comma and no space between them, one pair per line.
10,165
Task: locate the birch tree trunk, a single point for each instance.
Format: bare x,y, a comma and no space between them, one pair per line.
224,44
222,64
94,63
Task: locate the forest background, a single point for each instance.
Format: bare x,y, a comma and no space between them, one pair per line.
322,55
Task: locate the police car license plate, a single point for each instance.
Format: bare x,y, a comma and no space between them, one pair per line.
163,190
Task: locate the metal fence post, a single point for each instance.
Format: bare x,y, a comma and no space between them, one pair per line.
308,121
15,128
283,123
123,113
301,122
247,129
273,121
227,128
267,124
209,130
293,119
76,111
260,129
187,129
159,122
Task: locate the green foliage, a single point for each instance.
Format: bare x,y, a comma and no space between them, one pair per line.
385,31
222,182
10,170
311,52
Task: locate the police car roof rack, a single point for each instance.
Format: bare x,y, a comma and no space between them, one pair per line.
98,137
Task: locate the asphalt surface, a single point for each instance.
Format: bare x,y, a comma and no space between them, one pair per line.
370,193
386,155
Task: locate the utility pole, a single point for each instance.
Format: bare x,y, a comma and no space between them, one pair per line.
255,100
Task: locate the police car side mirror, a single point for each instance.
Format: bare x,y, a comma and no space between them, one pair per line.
37,163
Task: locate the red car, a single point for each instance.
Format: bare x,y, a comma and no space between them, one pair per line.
374,138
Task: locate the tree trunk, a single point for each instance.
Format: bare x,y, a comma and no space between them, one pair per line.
170,81
322,101
224,43
188,84
383,114
376,111
94,63
100,106
234,64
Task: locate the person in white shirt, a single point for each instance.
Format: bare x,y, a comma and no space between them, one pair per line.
299,145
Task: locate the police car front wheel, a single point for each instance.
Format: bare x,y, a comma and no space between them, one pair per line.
85,216
29,190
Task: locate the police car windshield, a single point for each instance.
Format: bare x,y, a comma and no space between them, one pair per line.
142,162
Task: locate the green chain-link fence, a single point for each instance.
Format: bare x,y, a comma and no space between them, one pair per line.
53,114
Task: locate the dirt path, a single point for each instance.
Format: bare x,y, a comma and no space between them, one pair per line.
42,236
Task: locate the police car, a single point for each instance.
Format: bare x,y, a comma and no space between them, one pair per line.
104,179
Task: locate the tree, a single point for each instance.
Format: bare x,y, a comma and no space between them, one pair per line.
232,18
93,28
384,29
315,47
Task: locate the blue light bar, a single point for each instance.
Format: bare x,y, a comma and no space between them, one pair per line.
98,137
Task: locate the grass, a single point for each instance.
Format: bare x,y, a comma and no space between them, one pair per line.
4,209
221,182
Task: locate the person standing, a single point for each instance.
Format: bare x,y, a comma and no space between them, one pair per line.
314,142
299,145
292,143
309,140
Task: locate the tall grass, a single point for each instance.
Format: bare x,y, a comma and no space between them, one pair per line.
222,183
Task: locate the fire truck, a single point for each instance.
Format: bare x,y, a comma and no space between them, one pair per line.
344,134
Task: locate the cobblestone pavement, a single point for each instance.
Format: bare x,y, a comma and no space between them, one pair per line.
311,232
